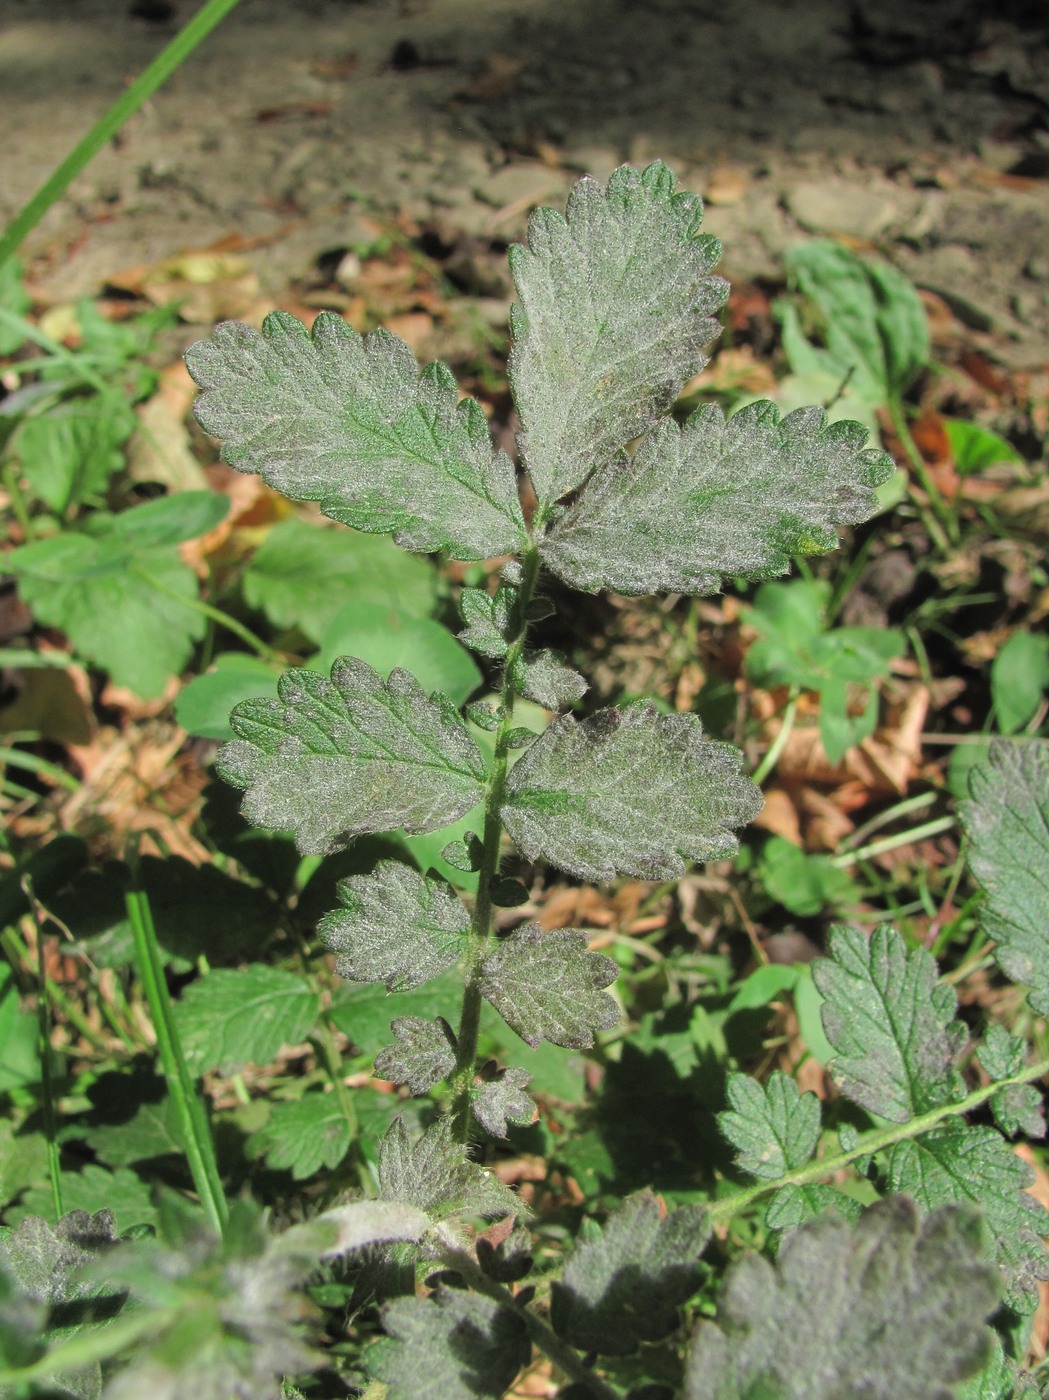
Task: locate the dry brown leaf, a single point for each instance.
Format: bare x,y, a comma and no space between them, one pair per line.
159,449
727,185
780,815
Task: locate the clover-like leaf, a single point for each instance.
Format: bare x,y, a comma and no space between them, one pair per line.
890,1021
625,1287
396,926
974,1165
545,677
714,498
236,1017
1008,825
453,1345
615,309
890,1308
351,423
773,1127
628,792
422,1055
303,1136
547,986
436,1174
332,759
503,1100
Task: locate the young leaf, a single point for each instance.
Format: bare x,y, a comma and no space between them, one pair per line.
233,1018
890,1309
889,1020
436,1175
616,303
547,986
773,1127
628,792
1008,825
303,1136
397,927
362,1223
334,759
625,1287
451,1346
973,1164
423,1055
351,423
717,498
1017,1108
544,677
503,1100
488,618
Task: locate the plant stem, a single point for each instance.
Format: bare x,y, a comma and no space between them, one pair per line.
940,508
873,1141
47,1082
481,923
144,86
193,1123
778,744
224,619
892,843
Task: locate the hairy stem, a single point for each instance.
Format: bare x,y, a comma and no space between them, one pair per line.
481,923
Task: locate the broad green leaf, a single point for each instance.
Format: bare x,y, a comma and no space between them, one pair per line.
615,308
203,706
387,638
625,1286
792,1205
773,1127
92,1189
121,592
1008,825
891,1308
436,1174
423,1055
974,447
396,926
802,882
453,1345
352,423
152,1131
890,1021
232,1018
1017,1108
333,759
974,1165
544,676
304,1136
628,792
301,576
503,1100
715,498
1019,679
68,454
547,986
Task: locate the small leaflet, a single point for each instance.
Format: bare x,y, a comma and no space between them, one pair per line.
1017,1108
547,986
453,1345
545,677
422,1055
773,1127
625,1286
239,1016
792,1205
890,1308
396,926
436,1175
489,620
1008,824
333,759
628,792
359,1224
352,423
891,1023
503,1100
616,305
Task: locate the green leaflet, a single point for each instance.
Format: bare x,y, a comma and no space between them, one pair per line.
547,986
333,759
423,1053
351,423
503,1100
615,309
890,1308
304,1136
450,1346
1008,824
435,1174
628,792
773,1127
717,498
230,1019
1017,1108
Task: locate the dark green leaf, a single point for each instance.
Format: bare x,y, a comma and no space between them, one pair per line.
92,1189
423,1055
1018,1108
773,1127
1019,678
547,986
489,620
351,423
232,1018
451,1346
436,1174
544,676
304,1137
503,1100
792,1205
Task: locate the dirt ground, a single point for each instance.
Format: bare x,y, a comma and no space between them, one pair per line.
921,130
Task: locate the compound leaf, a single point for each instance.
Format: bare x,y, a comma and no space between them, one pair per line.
453,1345
435,1174
889,1308
332,759
889,1020
716,497
233,1018
1008,825
503,1100
304,1136
966,1163
423,1055
397,927
628,791
351,423
547,986
625,1286
616,303
773,1127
